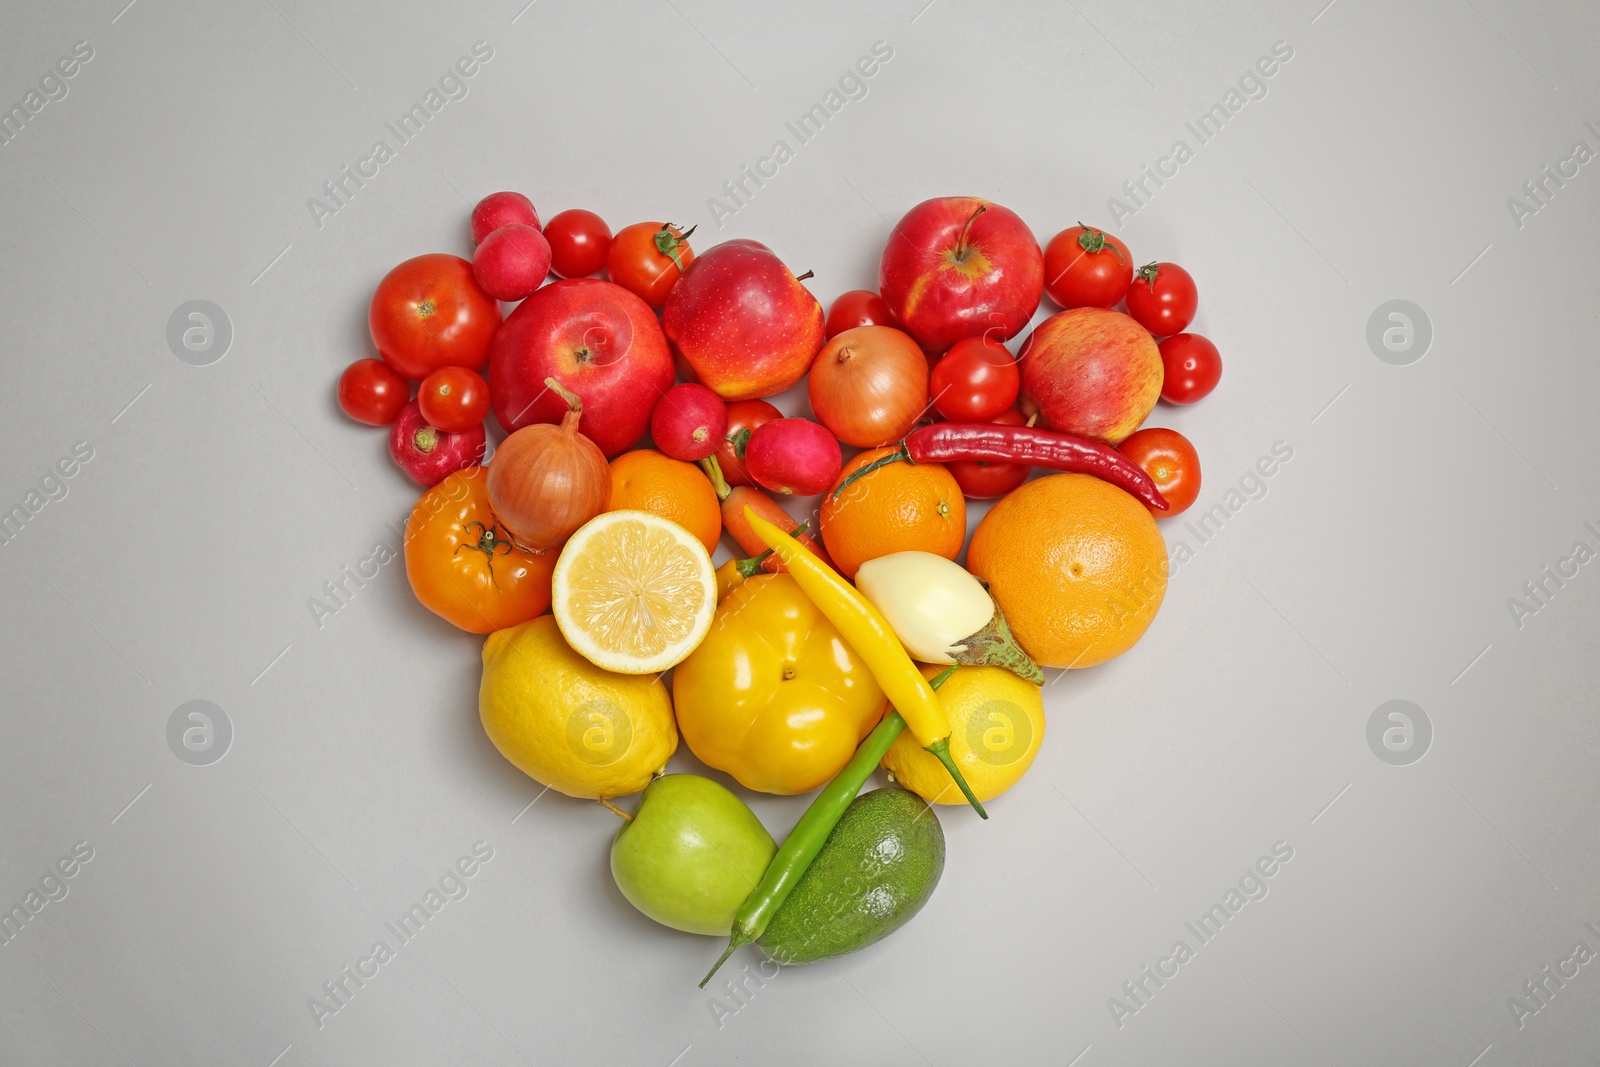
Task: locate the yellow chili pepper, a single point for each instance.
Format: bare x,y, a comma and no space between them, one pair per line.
869,633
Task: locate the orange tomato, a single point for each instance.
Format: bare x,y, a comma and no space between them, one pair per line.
461,565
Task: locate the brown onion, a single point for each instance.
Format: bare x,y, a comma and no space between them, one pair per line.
545,481
869,385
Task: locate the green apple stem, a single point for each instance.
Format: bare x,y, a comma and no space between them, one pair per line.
941,749
613,809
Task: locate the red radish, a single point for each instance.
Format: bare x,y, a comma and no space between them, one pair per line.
501,209
793,456
427,453
511,262
689,422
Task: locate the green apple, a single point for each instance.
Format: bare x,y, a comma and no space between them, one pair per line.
690,854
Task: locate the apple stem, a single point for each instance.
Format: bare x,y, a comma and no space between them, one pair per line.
807,274
961,246
613,809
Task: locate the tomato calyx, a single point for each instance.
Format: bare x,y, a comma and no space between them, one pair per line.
1147,273
1092,241
738,441
489,543
668,240
426,308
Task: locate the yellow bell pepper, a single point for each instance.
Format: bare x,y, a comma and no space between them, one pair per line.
773,695
870,634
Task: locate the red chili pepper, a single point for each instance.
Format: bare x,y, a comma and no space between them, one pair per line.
988,442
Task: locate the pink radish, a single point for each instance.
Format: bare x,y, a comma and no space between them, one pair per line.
502,209
689,421
793,456
511,262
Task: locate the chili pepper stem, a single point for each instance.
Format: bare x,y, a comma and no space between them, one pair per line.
739,939
899,455
941,749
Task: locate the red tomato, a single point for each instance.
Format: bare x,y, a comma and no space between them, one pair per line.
1169,459
579,241
371,392
975,381
453,399
980,480
1191,368
1162,298
858,307
743,418
648,257
429,313
1086,268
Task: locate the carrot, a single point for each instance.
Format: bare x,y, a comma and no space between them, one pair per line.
734,522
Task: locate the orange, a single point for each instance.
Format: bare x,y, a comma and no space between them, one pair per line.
1076,564
899,507
646,480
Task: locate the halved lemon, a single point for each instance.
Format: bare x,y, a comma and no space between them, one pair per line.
633,592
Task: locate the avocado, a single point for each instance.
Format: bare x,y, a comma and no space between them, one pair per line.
874,872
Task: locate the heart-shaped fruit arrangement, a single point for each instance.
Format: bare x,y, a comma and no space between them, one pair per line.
829,646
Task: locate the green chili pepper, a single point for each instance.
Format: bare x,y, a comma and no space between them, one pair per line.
808,835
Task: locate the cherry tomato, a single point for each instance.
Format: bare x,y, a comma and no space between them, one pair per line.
453,399
980,480
744,416
1162,298
370,391
858,307
647,258
975,381
429,313
579,241
1169,459
1086,268
1191,368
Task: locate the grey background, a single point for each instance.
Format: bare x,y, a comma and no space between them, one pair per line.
1377,567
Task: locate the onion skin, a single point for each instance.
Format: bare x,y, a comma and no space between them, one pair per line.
545,480
869,385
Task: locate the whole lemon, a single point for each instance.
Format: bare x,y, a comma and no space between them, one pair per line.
996,726
564,722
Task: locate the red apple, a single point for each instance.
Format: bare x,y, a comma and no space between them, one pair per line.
958,266
742,321
1091,372
596,339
